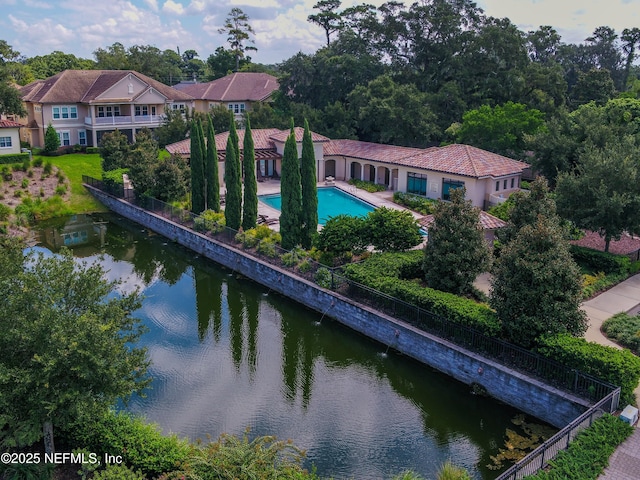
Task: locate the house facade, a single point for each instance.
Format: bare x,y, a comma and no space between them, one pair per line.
488,178
83,105
238,92
9,137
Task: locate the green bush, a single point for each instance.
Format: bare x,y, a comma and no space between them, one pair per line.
38,209
623,329
415,202
390,272
294,257
209,221
367,186
323,277
267,247
93,150
5,211
48,168
252,237
37,162
14,158
588,455
597,261
118,472
141,445
618,367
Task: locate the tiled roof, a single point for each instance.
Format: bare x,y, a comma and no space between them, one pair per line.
369,151
282,135
487,221
10,124
84,86
462,160
235,87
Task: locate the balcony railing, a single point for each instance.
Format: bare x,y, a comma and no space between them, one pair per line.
154,120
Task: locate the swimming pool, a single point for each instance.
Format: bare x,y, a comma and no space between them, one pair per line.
331,202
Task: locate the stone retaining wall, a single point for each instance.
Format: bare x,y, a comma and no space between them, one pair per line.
524,393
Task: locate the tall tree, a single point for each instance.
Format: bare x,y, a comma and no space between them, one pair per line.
456,252
197,168
237,28
211,170
250,204
631,40
327,17
70,345
51,141
114,150
233,180
603,194
536,287
10,99
291,192
309,183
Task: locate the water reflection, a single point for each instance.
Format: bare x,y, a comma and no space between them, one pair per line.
228,354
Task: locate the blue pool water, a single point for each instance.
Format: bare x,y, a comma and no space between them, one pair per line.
331,203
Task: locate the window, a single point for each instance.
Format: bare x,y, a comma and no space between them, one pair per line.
5,142
82,137
178,106
65,138
64,112
236,107
417,183
449,184
498,185
504,185
512,182
142,110
109,111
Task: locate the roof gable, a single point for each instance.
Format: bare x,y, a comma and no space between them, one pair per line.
87,86
239,86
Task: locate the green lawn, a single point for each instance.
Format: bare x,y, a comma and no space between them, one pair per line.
74,166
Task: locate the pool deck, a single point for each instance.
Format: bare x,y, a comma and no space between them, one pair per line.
378,199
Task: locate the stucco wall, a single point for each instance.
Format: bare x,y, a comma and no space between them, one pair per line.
525,393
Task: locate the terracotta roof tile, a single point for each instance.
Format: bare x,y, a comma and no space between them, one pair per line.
282,135
10,124
487,221
238,86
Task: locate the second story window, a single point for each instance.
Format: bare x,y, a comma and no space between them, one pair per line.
63,112
236,108
142,110
109,111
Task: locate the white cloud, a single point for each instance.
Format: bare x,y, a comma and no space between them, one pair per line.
256,3
38,5
172,7
152,4
44,35
196,6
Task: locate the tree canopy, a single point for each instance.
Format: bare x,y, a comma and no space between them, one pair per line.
68,343
238,30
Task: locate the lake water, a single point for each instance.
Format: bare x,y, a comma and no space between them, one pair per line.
229,355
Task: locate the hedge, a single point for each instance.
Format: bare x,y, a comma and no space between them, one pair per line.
623,329
588,455
13,158
395,274
619,367
600,261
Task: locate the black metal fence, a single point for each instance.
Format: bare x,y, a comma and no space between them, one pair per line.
525,361
546,452
570,380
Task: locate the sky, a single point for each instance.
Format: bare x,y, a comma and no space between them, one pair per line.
38,27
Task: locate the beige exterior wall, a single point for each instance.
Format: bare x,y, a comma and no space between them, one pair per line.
14,135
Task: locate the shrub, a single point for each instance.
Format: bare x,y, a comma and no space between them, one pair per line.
48,168
93,150
5,211
623,329
26,164
390,230
209,221
37,162
618,367
342,233
415,202
367,186
304,266
141,445
389,273
38,209
7,175
118,472
294,257
25,182
61,190
30,173
267,247
597,261
588,455
323,277
254,236
14,158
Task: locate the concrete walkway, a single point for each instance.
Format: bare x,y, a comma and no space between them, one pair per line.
624,463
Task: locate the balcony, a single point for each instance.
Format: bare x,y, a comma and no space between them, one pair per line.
137,120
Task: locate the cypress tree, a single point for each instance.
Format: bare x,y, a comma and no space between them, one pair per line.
309,218
197,168
232,174
213,182
291,193
250,204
